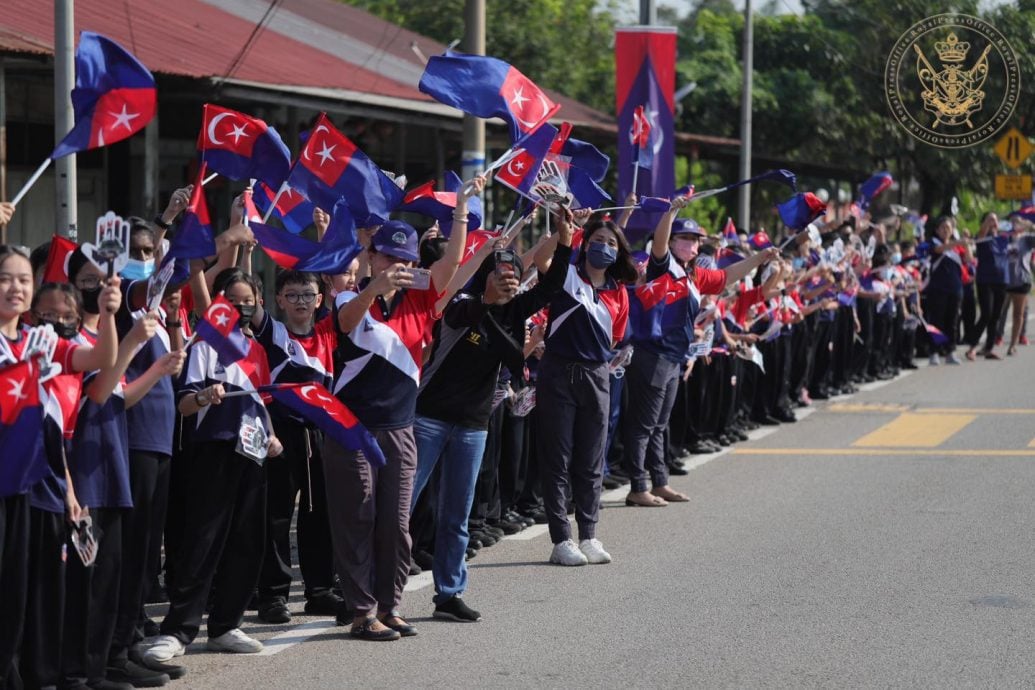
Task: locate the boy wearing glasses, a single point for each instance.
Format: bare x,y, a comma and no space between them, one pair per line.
299,349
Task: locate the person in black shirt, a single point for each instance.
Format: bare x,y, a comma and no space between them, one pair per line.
481,331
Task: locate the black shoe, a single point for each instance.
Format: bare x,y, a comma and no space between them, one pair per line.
135,676
471,553
403,628
768,420
723,440
274,611
700,448
424,559
785,416
105,684
741,436
344,615
474,543
909,365
454,609
495,530
323,603
485,538
511,526
678,471
363,632
821,394
415,569
525,520
174,671
610,483
750,424
538,515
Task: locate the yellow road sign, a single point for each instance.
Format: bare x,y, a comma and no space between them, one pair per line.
1013,148
1013,187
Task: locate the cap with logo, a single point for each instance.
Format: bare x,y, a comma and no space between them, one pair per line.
397,239
687,226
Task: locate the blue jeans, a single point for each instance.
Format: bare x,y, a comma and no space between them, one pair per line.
460,451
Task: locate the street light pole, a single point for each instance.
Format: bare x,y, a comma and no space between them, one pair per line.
744,193
64,118
473,157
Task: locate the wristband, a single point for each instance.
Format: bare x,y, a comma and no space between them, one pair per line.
161,223
173,324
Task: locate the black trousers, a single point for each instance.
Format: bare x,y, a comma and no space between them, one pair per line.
513,460
224,534
39,660
486,504
991,300
148,479
91,600
178,495
299,470
14,580
968,315
943,312
651,380
819,376
531,496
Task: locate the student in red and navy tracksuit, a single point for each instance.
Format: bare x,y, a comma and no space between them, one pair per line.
587,318
299,349
652,376
225,524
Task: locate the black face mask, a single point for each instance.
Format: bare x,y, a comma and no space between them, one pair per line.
247,311
90,298
64,330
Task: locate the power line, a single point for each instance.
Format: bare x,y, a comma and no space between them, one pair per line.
238,60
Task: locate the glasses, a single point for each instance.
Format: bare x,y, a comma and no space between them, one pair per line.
90,283
304,298
47,317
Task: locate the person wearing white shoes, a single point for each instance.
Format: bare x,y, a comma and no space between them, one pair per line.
587,318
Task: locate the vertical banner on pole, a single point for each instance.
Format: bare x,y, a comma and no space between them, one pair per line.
645,76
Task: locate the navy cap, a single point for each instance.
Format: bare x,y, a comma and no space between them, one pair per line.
397,239
687,226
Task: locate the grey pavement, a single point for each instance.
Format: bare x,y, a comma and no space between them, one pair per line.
833,569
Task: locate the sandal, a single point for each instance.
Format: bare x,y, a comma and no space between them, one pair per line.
365,631
650,501
399,625
673,496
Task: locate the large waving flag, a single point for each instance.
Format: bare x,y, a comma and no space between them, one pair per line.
440,205
587,157
487,87
331,167
114,95
584,190
219,327
293,210
332,254
873,187
240,146
316,404
521,172
21,429
194,238
801,209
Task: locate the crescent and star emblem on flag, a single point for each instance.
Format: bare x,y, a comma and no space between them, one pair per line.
216,313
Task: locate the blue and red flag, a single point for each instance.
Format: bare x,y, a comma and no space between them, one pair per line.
729,234
488,87
584,189
587,157
241,147
194,238
521,171
1025,212
331,167
220,328
873,187
726,257
440,205
760,240
936,335
293,210
21,429
640,134
801,209
332,254
316,404
114,95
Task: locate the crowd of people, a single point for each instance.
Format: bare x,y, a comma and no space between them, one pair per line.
503,390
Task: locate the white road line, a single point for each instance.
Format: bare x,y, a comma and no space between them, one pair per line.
421,581
289,638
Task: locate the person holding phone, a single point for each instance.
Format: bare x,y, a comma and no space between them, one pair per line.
382,332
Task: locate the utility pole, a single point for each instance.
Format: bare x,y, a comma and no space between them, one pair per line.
64,118
744,193
473,158
648,13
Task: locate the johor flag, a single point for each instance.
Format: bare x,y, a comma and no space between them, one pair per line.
645,80
293,210
760,240
585,192
22,458
476,239
316,404
521,172
219,328
440,205
487,87
1025,212
56,268
331,167
587,157
800,210
332,254
114,95
194,238
240,146
873,187
639,133
936,335
729,234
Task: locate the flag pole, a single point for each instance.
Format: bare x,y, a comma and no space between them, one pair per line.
636,175
209,179
273,204
31,181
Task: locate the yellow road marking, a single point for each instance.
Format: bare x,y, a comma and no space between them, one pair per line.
883,452
912,430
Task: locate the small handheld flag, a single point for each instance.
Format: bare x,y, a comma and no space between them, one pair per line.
220,330
194,238
241,147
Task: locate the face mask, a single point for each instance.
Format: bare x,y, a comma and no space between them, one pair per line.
63,330
896,258
601,255
247,311
683,251
798,263
138,270
90,298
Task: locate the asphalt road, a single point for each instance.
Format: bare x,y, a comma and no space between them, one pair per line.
884,540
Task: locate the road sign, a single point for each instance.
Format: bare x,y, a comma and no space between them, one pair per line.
1013,187
1013,148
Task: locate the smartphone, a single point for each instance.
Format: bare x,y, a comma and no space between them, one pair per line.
421,278
505,256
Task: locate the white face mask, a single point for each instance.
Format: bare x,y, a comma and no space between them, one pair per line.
684,251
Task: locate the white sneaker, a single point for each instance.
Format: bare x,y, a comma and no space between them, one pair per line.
951,359
234,641
566,553
594,551
163,649
934,361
